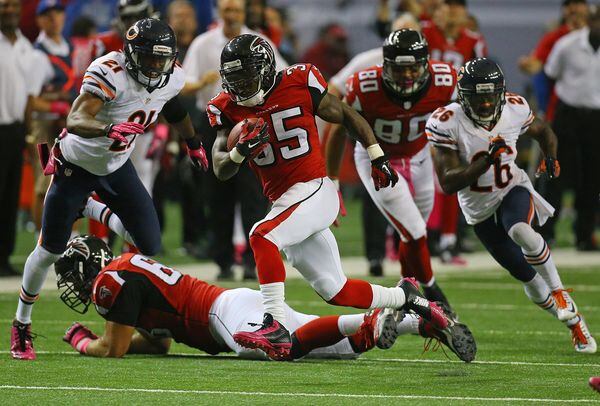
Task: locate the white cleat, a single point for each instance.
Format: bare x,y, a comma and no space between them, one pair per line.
565,306
582,338
385,328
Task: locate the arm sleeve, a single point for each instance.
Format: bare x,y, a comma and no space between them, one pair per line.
216,118
440,133
553,66
351,93
128,304
317,86
174,111
99,80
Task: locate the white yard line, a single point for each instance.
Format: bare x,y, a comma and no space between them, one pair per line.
370,360
290,394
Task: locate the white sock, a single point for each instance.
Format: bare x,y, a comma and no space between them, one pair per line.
348,324
101,213
538,291
408,325
447,241
537,253
387,297
36,268
273,300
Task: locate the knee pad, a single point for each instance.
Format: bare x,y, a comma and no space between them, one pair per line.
525,236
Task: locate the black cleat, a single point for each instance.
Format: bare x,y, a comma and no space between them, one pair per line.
456,336
417,303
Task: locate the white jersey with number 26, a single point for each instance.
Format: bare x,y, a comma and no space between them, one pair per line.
125,100
449,127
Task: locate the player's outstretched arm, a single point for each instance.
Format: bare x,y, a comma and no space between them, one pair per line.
223,166
540,131
334,149
452,174
81,119
113,344
335,111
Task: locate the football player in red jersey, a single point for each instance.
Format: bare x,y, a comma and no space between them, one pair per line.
449,39
396,99
283,149
147,304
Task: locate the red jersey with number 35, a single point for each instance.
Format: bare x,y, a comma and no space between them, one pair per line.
137,291
399,125
293,153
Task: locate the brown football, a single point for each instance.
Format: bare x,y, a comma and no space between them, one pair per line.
234,134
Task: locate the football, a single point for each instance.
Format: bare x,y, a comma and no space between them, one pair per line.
234,134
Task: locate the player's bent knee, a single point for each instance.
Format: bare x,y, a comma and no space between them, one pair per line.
328,288
525,236
149,248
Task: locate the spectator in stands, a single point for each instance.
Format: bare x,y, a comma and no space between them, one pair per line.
448,38
18,83
58,92
128,12
422,10
85,47
278,19
574,63
203,60
256,19
574,17
330,52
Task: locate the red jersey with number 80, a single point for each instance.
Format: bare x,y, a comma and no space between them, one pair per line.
140,292
293,153
399,126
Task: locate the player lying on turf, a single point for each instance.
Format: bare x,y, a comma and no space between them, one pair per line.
475,149
146,304
396,99
282,148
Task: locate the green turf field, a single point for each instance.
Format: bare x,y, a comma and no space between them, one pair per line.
524,355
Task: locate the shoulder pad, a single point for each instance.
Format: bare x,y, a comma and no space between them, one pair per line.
441,126
106,288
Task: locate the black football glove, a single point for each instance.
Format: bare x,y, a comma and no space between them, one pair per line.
251,143
550,167
382,173
497,146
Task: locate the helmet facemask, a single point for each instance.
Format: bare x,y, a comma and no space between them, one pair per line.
76,270
405,75
247,84
483,104
151,67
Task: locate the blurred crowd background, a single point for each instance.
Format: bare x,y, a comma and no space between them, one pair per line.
207,219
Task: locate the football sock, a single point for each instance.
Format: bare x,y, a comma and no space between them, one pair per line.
415,260
449,213
408,325
538,291
447,241
273,300
349,324
537,253
36,268
320,332
433,292
101,213
387,297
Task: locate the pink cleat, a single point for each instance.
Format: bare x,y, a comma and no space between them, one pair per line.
21,345
417,303
271,337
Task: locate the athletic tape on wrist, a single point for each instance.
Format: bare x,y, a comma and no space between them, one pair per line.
235,156
374,152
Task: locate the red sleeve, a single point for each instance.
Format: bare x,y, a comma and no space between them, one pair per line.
106,289
544,47
352,92
317,86
215,110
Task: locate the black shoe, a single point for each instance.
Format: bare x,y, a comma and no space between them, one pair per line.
434,293
456,336
7,270
418,304
375,268
249,273
225,274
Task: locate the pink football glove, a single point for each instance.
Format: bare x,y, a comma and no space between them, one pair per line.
119,131
161,135
79,337
197,153
59,107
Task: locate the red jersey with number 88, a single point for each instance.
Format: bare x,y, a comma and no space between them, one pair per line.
400,125
293,153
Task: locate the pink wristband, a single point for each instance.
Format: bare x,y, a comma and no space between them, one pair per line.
83,344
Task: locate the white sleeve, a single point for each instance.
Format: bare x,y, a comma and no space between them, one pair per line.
192,62
440,133
41,72
100,81
553,67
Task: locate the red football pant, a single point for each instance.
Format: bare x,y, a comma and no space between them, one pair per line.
269,265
